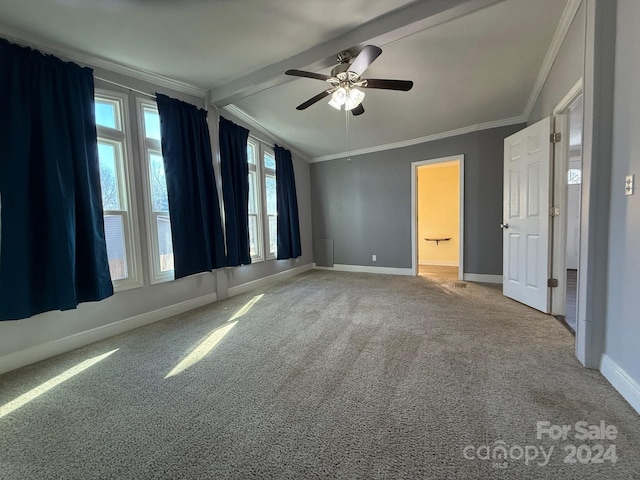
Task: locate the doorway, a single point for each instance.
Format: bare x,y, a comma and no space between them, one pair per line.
569,187
437,217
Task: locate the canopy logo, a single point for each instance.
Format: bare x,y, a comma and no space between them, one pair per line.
500,453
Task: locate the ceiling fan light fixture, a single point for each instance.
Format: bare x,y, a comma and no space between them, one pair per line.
339,98
334,104
354,98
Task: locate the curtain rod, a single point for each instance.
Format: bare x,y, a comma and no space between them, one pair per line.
124,86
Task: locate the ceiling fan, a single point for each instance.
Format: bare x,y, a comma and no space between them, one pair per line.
346,82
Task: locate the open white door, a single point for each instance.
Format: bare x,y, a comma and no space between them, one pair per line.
525,227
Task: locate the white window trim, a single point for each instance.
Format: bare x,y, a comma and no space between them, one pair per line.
265,172
255,167
130,215
146,146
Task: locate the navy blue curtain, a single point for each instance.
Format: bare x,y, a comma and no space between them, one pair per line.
235,190
196,226
53,254
288,222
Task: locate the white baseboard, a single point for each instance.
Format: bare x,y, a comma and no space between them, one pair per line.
436,263
276,277
56,347
368,269
482,278
621,381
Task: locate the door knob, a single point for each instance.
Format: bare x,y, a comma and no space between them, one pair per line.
504,225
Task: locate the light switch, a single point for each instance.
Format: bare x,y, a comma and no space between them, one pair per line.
629,184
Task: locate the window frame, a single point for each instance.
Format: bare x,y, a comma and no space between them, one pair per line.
121,138
261,150
268,172
149,146
254,168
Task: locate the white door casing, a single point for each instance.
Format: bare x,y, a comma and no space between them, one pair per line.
414,210
559,222
526,225
573,218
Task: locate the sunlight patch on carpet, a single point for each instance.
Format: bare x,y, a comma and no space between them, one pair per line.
212,340
247,307
54,382
201,350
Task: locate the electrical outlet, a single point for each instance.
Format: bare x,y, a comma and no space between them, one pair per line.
373,257
629,184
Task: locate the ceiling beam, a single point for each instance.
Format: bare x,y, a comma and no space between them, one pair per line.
382,30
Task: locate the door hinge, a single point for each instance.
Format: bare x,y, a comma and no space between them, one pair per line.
552,282
555,137
554,211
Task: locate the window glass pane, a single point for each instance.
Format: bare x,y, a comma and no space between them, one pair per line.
574,176
272,206
116,250
269,161
273,234
158,180
151,124
253,236
106,114
165,244
253,204
251,156
108,176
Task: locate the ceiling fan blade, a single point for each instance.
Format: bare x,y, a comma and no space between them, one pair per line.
302,73
402,85
365,58
313,100
359,110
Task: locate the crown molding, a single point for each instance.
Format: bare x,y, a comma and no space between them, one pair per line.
568,15
86,59
253,123
426,139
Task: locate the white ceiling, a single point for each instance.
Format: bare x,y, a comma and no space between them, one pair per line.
472,61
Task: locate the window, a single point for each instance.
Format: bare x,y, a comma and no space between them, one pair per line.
157,203
117,193
263,205
255,204
574,176
271,226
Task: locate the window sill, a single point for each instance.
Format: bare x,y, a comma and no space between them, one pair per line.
124,285
163,279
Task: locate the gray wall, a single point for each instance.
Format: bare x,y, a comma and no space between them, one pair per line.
17,336
365,204
623,306
566,70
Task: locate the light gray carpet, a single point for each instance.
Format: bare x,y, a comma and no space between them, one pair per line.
328,375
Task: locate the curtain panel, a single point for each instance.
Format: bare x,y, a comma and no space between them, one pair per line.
235,190
53,254
194,208
288,222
